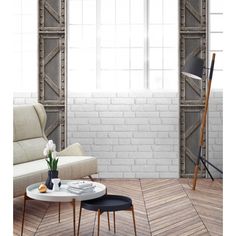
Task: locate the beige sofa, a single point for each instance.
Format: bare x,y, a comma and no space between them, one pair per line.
29,140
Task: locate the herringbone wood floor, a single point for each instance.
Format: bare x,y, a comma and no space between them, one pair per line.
162,207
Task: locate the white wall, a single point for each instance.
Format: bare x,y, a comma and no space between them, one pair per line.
215,131
133,135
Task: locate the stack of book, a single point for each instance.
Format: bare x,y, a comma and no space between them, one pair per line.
80,187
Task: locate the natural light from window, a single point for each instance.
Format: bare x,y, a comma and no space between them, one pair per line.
113,45
122,45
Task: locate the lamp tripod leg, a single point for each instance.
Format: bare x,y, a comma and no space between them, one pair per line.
203,162
195,176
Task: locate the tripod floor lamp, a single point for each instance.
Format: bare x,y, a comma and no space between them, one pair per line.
194,69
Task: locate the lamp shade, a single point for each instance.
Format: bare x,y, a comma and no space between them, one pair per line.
193,67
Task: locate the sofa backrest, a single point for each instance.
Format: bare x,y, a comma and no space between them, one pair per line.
28,132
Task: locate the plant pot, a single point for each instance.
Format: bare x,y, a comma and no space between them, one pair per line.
52,174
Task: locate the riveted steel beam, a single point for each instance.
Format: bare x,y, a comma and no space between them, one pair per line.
52,67
193,41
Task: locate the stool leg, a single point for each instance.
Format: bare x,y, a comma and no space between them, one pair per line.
108,220
99,214
132,208
114,219
80,212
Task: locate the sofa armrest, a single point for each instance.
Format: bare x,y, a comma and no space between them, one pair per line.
72,150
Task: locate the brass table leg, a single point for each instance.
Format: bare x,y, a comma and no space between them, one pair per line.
59,213
73,203
23,216
80,212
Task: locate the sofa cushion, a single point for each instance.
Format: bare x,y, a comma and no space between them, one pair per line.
70,167
28,150
26,123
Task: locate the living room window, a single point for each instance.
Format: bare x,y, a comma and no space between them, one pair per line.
122,45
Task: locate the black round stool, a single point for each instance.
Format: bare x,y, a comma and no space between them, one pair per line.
108,203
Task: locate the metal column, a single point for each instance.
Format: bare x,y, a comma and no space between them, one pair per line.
193,40
52,67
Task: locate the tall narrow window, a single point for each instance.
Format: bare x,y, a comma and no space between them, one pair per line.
25,45
122,45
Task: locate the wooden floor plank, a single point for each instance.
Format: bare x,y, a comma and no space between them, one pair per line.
162,207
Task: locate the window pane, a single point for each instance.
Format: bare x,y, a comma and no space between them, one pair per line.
75,12
89,36
75,36
216,40
122,80
216,22
170,80
155,35
107,33
137,55
108,58
81,80
108,80
29,24
108,11
215,6
136,37
155,58
122,12
29,70
170,58
122,36
28,42
122,58
155,79
170,14
82,58
137,11
169,33
89,12
155,11
217,82
137,79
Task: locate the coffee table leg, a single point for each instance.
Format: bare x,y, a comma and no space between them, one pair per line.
80,212
73,203
23,217
59,213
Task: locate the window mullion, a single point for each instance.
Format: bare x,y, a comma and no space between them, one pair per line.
98,44
146,44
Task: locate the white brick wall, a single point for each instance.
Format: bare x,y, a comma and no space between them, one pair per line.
215,131
133,135
137,137
24,98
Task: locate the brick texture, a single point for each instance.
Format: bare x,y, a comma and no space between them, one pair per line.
135,135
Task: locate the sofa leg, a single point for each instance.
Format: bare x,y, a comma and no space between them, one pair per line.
91,178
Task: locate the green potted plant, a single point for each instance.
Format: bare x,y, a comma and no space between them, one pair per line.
52,162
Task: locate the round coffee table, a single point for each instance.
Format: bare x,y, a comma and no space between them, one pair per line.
63,195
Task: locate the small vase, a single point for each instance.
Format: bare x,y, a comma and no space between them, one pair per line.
52,174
